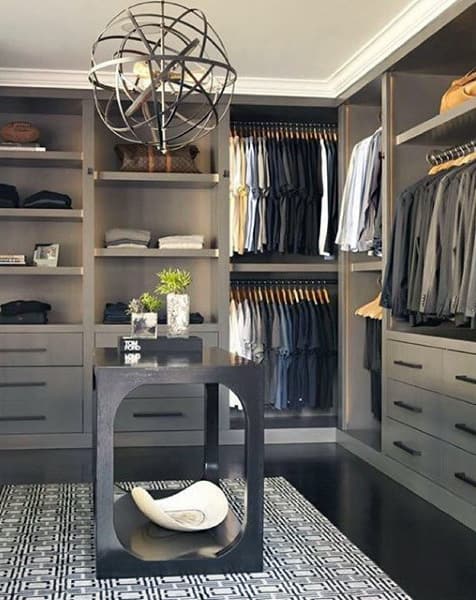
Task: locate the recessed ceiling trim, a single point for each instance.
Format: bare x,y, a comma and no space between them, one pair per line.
393,36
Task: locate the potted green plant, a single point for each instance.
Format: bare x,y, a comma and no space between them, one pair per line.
144,315
174,284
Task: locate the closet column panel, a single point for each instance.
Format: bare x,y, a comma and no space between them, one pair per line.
356,287
88,260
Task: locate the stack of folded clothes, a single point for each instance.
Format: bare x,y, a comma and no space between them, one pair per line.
127,238
195,318
8,196
24,312
115,313
46,199
181,242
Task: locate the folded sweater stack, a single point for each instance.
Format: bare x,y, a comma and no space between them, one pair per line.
127,238
24,312
181,242
116,313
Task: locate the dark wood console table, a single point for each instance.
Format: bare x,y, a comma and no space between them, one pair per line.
127,544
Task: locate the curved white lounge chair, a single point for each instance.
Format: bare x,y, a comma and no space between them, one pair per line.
201,506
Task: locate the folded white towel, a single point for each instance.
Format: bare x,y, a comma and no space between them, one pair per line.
182,239
181,246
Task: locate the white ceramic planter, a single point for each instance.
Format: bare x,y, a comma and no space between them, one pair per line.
178,315
144,325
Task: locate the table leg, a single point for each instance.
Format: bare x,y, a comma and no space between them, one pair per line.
211,466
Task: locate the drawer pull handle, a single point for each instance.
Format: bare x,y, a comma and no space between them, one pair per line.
415,409
465,428
466,479
407,449
23,385
402,363
31,418
23,350
465,379
158,415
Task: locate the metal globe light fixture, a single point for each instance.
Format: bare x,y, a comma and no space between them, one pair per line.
161,75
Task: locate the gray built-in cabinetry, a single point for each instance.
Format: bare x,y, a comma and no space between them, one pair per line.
427,437
46,371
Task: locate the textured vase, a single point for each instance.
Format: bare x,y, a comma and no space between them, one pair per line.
144,325
178,315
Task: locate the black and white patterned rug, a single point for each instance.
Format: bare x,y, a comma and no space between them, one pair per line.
47,553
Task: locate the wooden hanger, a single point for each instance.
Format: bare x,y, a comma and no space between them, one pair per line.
372,310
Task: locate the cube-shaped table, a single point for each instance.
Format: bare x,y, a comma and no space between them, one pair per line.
127,544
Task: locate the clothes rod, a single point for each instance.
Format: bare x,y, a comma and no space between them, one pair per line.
283,282
439,157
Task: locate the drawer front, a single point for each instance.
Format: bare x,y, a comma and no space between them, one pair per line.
459,473
41,400
460,375
110,340
164,414
414,406
41,349
413,448
168,391
459,423
417,365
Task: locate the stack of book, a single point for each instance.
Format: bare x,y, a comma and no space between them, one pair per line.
16,260
35,147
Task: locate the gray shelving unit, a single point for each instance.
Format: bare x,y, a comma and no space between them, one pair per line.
170,180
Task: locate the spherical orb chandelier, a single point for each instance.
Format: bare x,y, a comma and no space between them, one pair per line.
161,75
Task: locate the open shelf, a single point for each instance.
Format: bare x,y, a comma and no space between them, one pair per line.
47,271
368,266
39,159
154,253
48,328
454,126
328,267
175,180
40,214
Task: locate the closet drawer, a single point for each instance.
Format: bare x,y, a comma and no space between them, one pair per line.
459,472
418,365
110,340
41,400
164,414
460,375
415,407
413,448
458,423
41,349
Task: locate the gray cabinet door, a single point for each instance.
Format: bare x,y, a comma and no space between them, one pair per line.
418,365
41,400
459,473
460,375
412,448
414,406
41,349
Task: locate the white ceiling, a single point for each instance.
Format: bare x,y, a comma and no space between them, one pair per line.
271,40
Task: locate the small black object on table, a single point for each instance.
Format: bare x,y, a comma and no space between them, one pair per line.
127,544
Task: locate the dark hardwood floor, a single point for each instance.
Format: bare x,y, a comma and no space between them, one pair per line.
430,555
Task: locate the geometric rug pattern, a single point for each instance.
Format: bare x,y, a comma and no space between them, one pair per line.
47,552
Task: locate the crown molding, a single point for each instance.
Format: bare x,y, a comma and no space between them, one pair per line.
407,24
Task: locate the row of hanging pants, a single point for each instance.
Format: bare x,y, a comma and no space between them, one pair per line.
295,337
283,194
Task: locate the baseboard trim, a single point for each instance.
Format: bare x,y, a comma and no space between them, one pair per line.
456,507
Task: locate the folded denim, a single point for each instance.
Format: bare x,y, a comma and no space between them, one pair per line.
46,199
8,196
21,307
134,235
34,318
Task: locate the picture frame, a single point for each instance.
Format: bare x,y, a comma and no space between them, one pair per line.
46,255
